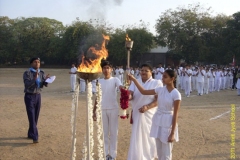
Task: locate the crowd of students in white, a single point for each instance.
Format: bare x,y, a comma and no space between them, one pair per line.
203,79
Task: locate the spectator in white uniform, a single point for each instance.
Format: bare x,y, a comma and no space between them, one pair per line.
73,76
117,73
82,85
121,73
206,81
194,80
218,79
200,79
160,71
187,80
238,82
211,80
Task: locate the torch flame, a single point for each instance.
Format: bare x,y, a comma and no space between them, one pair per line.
91,63
128,38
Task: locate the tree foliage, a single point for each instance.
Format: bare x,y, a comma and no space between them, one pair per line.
196,35
190,33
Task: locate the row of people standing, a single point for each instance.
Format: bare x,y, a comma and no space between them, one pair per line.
205,80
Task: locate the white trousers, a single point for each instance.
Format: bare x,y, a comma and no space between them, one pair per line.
200,87
217,84
72,82
194,83
211,86
82,86
121,78
94,86
228,83
182,82
187,84
238,91
222,83
110,131
206,86
178,82
164,151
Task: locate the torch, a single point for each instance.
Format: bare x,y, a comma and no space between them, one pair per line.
124,93
128,45
89,70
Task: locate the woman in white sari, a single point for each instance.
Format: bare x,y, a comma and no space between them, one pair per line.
142,146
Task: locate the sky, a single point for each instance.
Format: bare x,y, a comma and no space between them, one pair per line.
116,12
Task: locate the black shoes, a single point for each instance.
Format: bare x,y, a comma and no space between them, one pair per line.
35,141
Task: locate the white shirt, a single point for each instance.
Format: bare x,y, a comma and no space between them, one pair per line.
121,71
139,99
189,71
132,72
159,70
178,71
200,77
109,93
194,73
73,70
218,74
212,76
136,73
163,116
207,76
117,72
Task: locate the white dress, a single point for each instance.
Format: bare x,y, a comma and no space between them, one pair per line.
142,146
238,83
162,119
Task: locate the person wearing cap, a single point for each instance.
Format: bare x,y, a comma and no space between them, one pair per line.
34,80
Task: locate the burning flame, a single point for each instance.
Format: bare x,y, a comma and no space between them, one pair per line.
91,63
127,38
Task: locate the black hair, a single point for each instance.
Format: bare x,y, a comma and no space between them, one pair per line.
172,74
33,59
106,63
147,65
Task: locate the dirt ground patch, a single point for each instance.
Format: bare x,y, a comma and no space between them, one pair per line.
200,137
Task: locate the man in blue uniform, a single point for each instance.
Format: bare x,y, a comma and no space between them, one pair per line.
34,80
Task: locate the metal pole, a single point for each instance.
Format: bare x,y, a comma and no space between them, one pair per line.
87,125
128,59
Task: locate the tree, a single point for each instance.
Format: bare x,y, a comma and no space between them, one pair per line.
232,37
186,31
143,42
6,39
